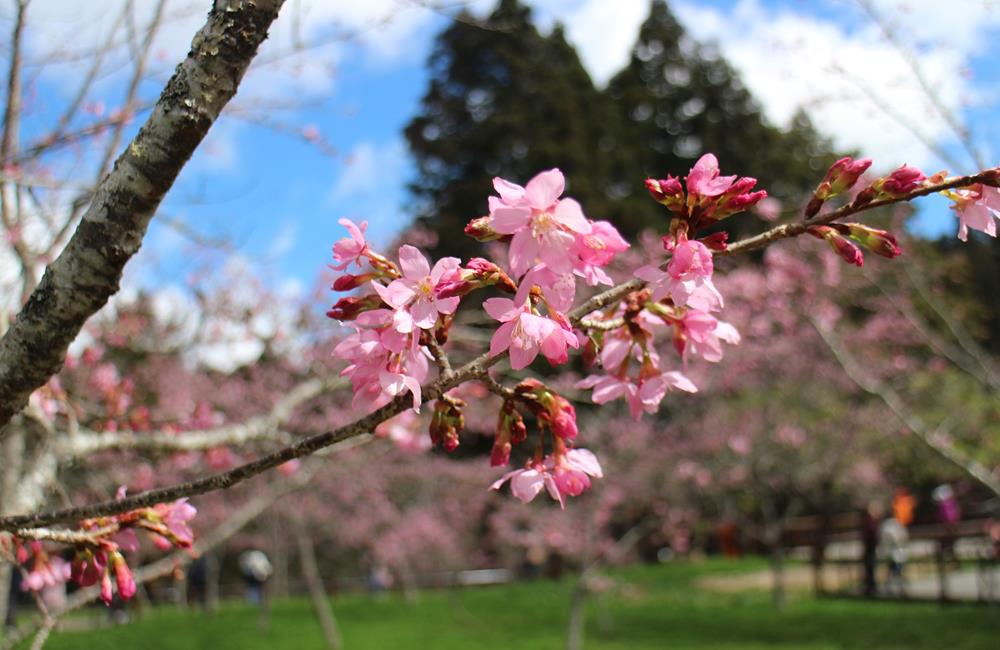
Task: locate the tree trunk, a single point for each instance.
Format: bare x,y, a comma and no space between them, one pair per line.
778,575
577,615
317,593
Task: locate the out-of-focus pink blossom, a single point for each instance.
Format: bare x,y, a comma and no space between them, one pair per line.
642,395
977,207
565,475
353,248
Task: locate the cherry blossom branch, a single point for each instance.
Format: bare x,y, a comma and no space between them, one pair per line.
475,369
988,177
166,565
62,536
910,420
264,427
87,272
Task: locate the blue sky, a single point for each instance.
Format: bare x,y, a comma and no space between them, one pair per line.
277,198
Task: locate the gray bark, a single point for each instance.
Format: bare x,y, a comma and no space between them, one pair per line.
88,271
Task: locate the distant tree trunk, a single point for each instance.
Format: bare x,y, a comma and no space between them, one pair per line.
779,592
577,614
279,554
314,582
212,577
6,573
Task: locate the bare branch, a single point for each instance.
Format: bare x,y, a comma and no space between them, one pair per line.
795,229
265,427
970,467
87,272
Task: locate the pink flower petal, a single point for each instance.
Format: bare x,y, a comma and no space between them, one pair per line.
544,189
413,263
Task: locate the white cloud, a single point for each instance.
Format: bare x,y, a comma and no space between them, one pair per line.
367,169
602,32
856,86
284,240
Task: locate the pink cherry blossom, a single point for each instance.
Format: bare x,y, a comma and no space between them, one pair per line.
597,249
977,207
350,249
702,334
566,475
544,228
526,334
704,179
175,516
413,296
642,395
688,278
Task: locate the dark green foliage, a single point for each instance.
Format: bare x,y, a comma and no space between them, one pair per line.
678,99
505,100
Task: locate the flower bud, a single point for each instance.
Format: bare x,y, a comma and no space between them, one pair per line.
123,576
106,589
841,177
477,273
350,307
717,241
348,282
551,409
900,182
481,229
668,192
880,242
510,431
447,421
843,247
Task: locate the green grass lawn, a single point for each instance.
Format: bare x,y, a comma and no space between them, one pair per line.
653,607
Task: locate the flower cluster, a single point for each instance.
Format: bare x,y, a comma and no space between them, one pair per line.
99,546
402,315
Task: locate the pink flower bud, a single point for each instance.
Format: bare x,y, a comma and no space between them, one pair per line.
350,307
841,176
481,229
123,576
900,182
880,242
667,191
847,251
350,282
447,421
717,241
107,592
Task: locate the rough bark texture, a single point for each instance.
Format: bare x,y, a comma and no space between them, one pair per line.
87,273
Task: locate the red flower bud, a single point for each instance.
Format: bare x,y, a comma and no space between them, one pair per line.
717,241
843,247
447,421
481,229
880,242
348,308
900,182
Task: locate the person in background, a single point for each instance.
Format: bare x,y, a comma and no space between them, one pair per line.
870,517
892,541
903,505
255,569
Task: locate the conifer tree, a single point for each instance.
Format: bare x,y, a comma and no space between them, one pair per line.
678,99
504,100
